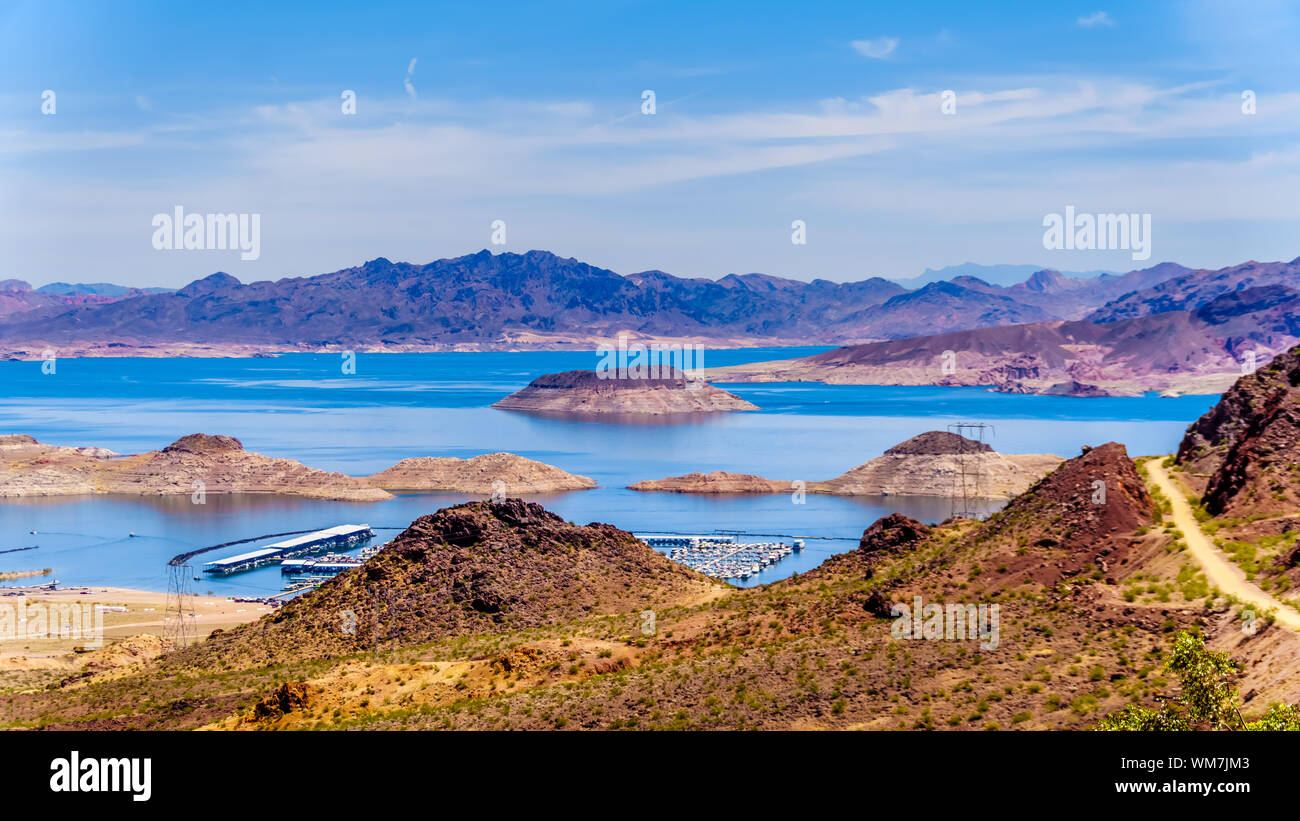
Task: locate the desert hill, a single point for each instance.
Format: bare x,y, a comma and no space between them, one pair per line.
478,567
1248,445
1079,519
1241,461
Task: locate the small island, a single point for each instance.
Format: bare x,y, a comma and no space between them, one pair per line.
488,473
215,464
929,464
589,392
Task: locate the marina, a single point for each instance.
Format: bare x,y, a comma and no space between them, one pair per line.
722,557
308,574
340,536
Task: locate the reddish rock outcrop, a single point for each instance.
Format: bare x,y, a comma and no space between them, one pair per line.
1079,518
1249,443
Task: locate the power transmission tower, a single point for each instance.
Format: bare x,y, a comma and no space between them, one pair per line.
179,626
970,481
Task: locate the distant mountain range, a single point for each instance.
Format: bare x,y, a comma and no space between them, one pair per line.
98,289
538,299
993,274
18,297
1191,351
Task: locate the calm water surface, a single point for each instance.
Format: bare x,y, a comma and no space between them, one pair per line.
301,406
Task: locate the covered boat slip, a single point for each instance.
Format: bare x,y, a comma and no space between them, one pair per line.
332,537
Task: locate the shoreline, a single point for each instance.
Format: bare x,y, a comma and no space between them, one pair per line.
32,351
138,622
757,373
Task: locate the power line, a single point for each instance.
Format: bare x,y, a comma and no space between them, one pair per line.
969,480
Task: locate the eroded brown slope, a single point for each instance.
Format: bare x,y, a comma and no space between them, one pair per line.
473,568
1248,445
1080,519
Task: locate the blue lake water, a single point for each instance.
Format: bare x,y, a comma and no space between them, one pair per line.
302,406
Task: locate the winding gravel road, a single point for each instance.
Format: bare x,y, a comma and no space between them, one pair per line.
1218,568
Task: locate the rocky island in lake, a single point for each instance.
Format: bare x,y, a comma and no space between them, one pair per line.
217,464
487,473
588,392
929,464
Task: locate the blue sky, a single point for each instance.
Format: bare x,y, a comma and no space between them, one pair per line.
531,113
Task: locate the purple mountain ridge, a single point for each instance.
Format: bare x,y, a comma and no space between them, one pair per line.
538,299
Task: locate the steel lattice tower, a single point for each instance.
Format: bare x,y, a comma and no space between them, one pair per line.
179,626
970,482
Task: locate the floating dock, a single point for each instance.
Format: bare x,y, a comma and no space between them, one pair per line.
722,557
329,538
331,564
687,541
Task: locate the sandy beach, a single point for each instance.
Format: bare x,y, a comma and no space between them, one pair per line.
129,636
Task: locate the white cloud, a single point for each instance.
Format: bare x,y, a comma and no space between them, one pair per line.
1097,18
877,49
420,179
410,89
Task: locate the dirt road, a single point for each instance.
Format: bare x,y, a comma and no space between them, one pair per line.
1218,568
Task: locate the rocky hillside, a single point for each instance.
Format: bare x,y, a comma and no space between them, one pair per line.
585,392
1193,289
472,568
1080,519
1196,351
1248,445
511,474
